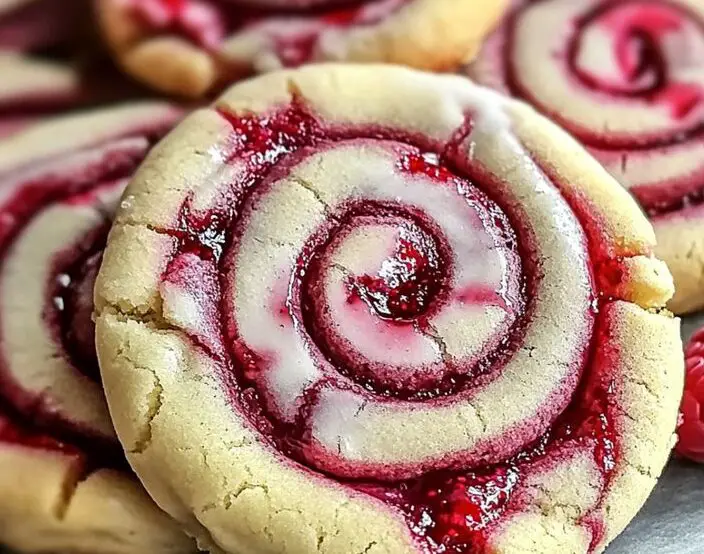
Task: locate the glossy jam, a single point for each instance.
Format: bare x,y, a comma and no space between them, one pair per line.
406,282
448,511
453,513
70,301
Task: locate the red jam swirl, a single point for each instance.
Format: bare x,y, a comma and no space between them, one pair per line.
639,31
69,308
447,510
406,282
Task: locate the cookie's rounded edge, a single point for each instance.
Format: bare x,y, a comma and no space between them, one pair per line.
681,246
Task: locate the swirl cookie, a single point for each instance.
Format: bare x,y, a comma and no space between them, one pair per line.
190,47
331,320
64,483
626,79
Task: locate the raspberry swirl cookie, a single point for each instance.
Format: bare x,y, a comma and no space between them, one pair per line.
64,484
190,47
627,79
332,321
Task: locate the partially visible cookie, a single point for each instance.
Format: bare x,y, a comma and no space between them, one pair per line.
191,47
627,80
34,89
64,483
367,309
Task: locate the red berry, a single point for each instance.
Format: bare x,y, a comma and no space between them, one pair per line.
691,430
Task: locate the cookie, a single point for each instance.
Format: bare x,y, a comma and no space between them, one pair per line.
368,309
191,47
64,483
627,80
32,89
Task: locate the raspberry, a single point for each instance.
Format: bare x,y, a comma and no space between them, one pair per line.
691,431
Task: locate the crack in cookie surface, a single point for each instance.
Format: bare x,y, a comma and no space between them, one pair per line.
314,249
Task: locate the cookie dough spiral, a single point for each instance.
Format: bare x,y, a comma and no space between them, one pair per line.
64,485
360,324
627,80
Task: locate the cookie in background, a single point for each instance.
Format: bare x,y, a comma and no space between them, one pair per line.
627,80
32,25
195,47
51,63
65,485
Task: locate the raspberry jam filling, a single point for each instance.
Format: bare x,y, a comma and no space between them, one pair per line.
69,307
356,304
408,279
691,429
12,433
629,56
294,28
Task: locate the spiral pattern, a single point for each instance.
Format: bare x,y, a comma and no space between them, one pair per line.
388,307
56,438
191,47
627,79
